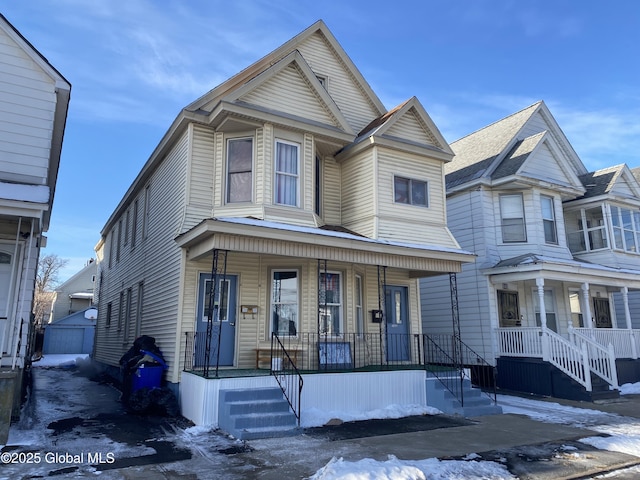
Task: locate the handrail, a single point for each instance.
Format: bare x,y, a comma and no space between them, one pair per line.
469,360
567,357
284,374
436,356
602,360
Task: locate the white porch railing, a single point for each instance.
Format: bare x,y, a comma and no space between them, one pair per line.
602,360
519,342
625,342
551,347
567,357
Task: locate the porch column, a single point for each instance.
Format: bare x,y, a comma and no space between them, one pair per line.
543,319
627,312
543,310
587,305
627,317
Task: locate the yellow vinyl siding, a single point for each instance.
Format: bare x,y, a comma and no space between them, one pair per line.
408,127
351,100
289,92
359,198
331,191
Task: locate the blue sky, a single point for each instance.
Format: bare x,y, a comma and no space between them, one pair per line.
134,64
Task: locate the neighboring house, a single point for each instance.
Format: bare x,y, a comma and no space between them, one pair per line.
279,211
34,100
76,294
556,246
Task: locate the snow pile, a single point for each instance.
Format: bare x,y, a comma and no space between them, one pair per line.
630,389
61,360
312,417
394,469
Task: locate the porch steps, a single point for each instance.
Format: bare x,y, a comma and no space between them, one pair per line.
253,413
476,403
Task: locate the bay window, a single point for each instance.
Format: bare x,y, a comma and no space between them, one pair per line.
549,219
239,170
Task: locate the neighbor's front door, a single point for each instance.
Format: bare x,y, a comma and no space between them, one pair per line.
397,320
602,313
224,319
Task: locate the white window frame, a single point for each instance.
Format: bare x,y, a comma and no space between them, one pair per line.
502,197
326,323
626,232
551,220
278,173
549,306
273,303
228,170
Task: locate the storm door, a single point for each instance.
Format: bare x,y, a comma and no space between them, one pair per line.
224,319
602,313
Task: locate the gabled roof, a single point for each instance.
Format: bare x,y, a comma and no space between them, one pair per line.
311,90
207,102
408,125
611,180
500,149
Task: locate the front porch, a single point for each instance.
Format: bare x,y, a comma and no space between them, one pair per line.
351,375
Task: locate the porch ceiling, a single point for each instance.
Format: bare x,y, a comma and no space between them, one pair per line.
530,267
271,238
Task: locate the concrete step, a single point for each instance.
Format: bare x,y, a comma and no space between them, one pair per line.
270,432
476,403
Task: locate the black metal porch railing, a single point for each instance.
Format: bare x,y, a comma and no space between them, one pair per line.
453,352
287,375
445,356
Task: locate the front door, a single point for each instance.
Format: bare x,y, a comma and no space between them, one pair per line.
602,313
508,309
224,319
397,319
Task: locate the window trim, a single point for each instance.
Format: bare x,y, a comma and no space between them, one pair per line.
523,217
297,175
359,303
228,172
409,201
553,221
134,224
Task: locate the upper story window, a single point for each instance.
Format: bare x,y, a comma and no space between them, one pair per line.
239,170
134,224
549,219
410,191
626,229
512,218
287,167
586,230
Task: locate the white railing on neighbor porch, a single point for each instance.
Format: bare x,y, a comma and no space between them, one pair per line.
548,345
625,342
519,342
602,360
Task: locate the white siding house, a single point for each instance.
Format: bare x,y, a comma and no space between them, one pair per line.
552,258
34,98
281,208
76,294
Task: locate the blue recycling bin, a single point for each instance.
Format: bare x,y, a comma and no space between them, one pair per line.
148,375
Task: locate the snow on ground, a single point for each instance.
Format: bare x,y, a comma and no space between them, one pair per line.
431,468
314,417
60,360
630,388
623,432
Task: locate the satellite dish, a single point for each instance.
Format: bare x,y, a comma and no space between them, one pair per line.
91,314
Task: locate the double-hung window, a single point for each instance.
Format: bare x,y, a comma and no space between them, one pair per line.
626,226
284,302
330,303
512,218
287,167
239,170
410,191
548,219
